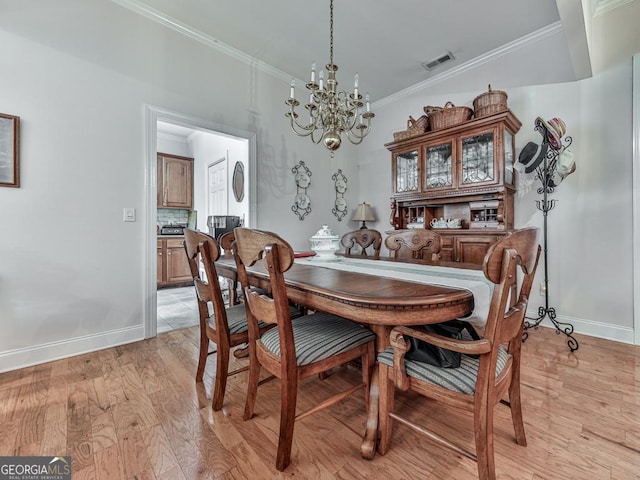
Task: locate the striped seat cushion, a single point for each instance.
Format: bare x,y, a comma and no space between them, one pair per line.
319,336
236,319
462,379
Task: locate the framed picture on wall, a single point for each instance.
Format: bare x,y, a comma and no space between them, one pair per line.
9,150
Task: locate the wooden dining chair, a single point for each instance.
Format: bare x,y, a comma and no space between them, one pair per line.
225,242
482,379
297,348
365,238
225,327
416,243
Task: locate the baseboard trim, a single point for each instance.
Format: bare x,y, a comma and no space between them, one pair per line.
591,328
48,352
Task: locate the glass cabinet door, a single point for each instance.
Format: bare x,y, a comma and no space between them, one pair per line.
407,172
508,157
438,160
477,159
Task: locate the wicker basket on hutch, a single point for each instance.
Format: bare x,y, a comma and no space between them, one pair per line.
449,116
429,109
490,102
414,128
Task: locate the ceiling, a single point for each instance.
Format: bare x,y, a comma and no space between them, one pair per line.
507,43
385,42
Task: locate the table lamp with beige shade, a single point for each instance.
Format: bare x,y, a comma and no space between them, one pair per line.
363,213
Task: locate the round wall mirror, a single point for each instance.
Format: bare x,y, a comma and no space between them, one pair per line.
238,181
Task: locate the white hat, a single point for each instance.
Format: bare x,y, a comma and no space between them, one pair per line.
565,166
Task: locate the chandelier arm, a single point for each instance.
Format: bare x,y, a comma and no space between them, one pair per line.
364,130
319,139
351,134
355,138
301,130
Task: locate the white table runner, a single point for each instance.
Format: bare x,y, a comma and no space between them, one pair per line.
472,280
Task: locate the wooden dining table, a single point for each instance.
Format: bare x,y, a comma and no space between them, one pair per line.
378,302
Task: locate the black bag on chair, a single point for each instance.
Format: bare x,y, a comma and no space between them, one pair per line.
424,352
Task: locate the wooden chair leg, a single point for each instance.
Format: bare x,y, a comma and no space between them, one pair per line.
252,383
483,422
202,357
241,352
387,393
222,372
514,397
516,413
289,396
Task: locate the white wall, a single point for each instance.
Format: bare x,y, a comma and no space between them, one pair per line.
71,271
209,149
173,144
590,236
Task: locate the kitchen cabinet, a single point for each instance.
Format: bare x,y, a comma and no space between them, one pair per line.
161,262
173,267
465,172
175,181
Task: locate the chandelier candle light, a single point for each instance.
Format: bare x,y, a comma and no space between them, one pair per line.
331,112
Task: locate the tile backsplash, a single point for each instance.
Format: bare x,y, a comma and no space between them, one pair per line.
168,216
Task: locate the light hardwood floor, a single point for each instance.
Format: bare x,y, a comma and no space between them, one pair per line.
135,412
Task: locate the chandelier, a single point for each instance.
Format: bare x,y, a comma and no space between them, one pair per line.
331,112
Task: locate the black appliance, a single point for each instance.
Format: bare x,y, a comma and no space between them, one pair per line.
173,229
221,224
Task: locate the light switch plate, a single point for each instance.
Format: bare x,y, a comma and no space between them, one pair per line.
128,214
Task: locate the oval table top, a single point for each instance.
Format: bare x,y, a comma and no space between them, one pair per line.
362,297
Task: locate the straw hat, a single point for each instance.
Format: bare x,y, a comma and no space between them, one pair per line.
556,128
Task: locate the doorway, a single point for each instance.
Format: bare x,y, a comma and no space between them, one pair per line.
217,188
196,127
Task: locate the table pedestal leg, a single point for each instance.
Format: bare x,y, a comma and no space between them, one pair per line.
370,439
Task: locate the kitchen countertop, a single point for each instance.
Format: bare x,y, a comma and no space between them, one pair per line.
170,236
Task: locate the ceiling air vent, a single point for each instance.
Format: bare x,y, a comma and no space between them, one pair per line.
436,62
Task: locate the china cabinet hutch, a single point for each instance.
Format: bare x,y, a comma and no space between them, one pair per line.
461,172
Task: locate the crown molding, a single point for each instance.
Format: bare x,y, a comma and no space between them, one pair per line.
176,25
466,67
604,6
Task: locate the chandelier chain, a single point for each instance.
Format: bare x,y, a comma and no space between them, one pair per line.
331,33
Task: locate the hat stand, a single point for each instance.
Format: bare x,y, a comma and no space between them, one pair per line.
545,173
